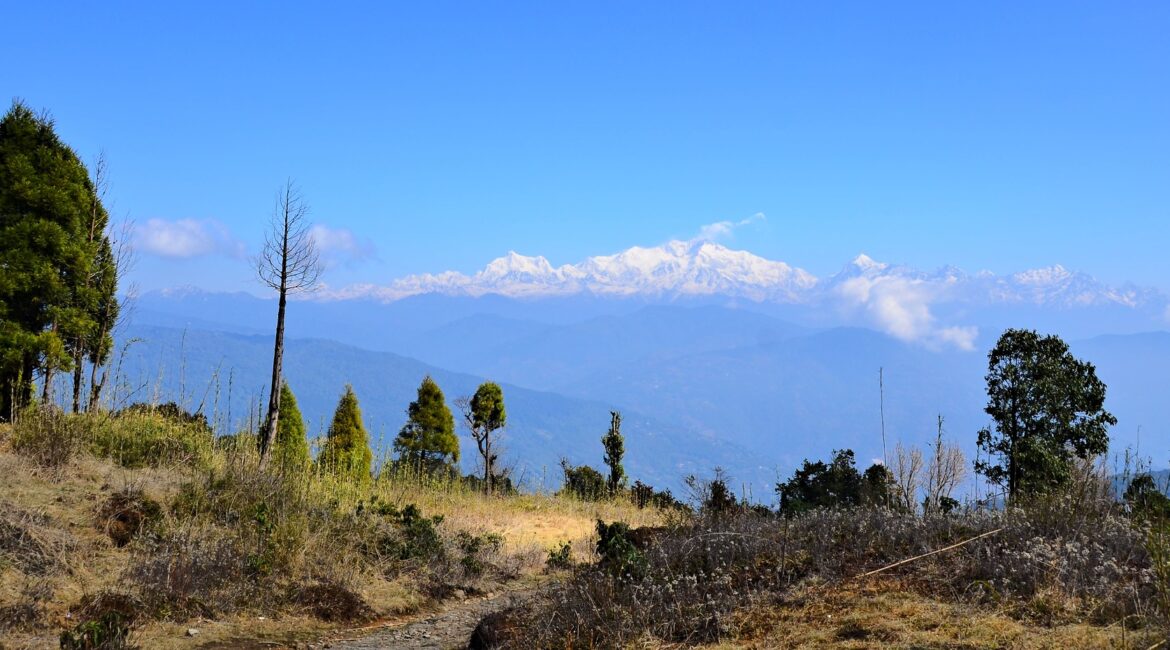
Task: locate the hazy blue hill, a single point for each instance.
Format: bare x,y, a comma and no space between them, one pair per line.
364,322
721,373
804,396
205,368
558,356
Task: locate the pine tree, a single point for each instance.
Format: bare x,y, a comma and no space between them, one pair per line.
347,445
52,234
615,449
427,441
292,448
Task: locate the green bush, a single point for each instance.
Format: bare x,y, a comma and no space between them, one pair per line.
473,548
48,437
583,482
617,551
414,536
109,632
560,557
150,439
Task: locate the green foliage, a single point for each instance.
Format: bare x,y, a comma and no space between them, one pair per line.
1047,406
134,437
48,437
347,445
485,415
111,631
583,482
292,447
149,438
645,496
834,485
427,441
414,537
560,557
876,486
615,449
171,412
1146,501
617,552
711,496
58,280
487,407
473,547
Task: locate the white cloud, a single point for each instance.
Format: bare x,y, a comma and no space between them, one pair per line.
960,337
900,306
1167,314
340,245
724,229
184,238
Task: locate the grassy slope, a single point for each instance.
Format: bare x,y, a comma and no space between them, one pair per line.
58,514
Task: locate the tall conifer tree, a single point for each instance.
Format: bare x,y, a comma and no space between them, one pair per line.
52,236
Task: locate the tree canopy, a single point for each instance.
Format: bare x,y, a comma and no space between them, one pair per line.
58,280
835,484
485,414
1047,405
427,441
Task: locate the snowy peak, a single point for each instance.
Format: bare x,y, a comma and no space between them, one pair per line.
866,265
514,266
704,268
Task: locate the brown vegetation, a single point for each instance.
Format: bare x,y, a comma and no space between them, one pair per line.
144,521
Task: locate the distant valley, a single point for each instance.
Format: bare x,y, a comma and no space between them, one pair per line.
702,383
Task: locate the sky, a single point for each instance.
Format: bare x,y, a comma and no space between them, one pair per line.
437,136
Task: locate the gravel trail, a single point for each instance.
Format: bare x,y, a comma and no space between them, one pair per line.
445,630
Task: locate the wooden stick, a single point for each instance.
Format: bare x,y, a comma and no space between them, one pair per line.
919,557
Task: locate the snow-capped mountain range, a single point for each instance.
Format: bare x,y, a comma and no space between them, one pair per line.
680,269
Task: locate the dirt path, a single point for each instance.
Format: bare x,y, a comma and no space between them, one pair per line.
444,630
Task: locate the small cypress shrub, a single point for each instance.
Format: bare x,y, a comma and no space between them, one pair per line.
347,444
292,447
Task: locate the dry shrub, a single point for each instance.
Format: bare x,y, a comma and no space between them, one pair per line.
247,540
48,437
29,611
331,601
1055,560
30,542
129,607
125,513
192,571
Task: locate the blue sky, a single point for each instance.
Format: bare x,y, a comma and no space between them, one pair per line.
434,136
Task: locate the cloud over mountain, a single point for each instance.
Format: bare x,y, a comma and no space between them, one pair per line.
899,300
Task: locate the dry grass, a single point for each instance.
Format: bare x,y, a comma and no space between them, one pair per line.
64,554
887,615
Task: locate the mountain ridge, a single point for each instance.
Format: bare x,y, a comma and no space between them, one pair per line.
704,268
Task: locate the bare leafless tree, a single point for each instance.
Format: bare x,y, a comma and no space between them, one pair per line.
288,263
113,313
907,475
946,470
